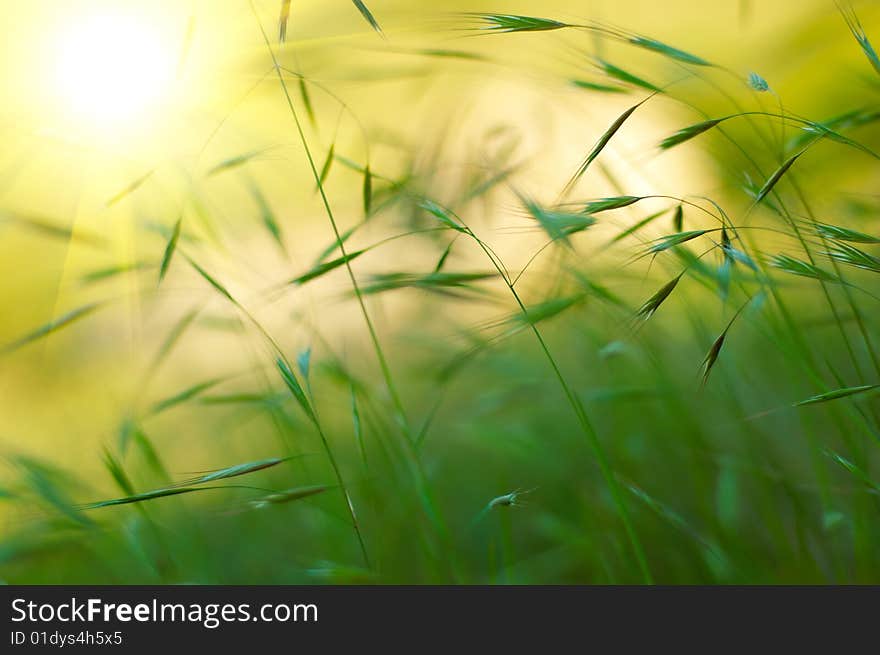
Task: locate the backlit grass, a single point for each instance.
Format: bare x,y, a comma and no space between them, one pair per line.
458,297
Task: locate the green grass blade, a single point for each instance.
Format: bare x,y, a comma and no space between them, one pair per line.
295,388
48,485
777,175
289,495
268,216
835,394
672,240
558,224
233,471
128,189
688,133
183,396
112,271
623,76
145,496
368,16
283,18
307,101
601,143
325,267
446,216
117,472
606,204
652,304
595,86
858,32
328,163
51,327
852,256
516,23
368,191
234,162
838,233
170,247
668,51
801,268
223,291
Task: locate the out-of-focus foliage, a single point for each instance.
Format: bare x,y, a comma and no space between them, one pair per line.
384,293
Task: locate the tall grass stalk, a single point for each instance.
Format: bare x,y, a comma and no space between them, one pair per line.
409,440
577,406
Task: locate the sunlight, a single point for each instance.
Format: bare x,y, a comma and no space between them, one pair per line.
112,69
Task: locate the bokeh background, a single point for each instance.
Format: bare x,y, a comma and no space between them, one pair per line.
119,120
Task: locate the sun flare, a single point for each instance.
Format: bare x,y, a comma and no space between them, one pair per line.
112,69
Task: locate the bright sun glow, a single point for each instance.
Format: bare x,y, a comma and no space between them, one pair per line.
112,69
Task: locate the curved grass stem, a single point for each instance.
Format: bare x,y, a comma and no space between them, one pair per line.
583,420
409,443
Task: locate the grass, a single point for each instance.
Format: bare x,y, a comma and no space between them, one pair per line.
395,367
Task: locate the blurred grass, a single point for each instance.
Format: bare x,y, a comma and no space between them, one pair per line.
176,375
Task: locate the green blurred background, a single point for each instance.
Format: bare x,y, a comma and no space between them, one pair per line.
724,484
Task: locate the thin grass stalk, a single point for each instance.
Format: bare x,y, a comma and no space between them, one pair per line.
374,338
748,115
584,421
324,442
409,445
839,273
789,219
